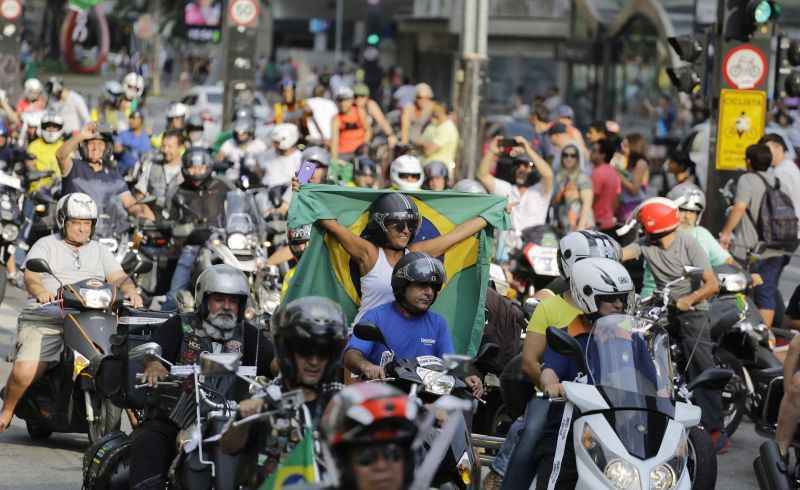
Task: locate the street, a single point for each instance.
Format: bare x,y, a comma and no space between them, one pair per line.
56,464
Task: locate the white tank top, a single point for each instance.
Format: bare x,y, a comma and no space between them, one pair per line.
376,286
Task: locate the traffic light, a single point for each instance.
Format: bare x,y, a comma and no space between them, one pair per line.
744,17
373,39
691,49
787,80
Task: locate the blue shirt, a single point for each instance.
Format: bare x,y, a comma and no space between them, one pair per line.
135,146
424,335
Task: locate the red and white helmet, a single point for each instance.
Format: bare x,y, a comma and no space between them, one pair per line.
658,215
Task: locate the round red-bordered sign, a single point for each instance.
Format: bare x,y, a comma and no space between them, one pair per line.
243,12
744,67
10,9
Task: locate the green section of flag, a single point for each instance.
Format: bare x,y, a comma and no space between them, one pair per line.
461,301
83,4
298,467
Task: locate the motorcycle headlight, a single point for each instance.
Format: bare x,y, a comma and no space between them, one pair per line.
237,241
662,477
5,204
10,232
436,382
733,283
622,475
96,298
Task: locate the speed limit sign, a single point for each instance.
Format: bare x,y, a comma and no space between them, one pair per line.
10,9
243,13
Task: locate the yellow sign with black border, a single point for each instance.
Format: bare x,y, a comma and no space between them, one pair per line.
742,115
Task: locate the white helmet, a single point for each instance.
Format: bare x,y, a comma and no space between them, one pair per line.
177,110
406,165
584,244
498,277
133,86
285,135
688,197
596,278
33,89
76,205
32,119
51,118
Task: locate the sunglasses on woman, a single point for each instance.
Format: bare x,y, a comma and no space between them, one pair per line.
400,226
368,455
569,155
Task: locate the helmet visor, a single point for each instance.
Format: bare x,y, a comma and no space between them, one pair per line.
423,271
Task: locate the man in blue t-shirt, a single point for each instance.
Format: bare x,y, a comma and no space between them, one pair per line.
132,144
408,326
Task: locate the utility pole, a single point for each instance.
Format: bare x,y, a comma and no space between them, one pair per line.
240,30
474,41
339,26
157,48
10,40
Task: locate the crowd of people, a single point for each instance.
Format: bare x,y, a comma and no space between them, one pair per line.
598,188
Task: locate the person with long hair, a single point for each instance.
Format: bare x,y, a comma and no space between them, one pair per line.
574,195
634,174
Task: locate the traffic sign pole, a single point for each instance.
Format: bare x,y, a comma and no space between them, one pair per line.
240,30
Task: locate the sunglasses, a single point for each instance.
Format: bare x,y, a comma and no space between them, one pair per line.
569,155
368,455
407,176
400,226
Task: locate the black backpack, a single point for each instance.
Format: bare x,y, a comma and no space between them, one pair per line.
777,223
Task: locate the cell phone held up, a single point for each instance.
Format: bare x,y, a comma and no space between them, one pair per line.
506,144
306,172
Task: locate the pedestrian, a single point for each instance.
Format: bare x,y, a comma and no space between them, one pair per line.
574,196
784,168
606,185
439,141
634,174
416,116
349,129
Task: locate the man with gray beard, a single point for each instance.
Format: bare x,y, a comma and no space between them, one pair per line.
217,326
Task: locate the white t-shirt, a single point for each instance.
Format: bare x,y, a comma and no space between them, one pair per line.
789,176
234,153
279,169
73,110
405,95
529,208
323,110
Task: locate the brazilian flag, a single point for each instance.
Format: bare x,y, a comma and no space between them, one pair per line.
298,467
326,268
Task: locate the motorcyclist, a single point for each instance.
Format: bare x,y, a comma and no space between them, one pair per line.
298,241
410,328
132,143
243,143
281,161
309,334
44,148
365,172
73,256
372,453
163,179
349,129
436,176
393,221
92,172
33,98
373,112
557,310
219,325
195,131
789,412
406,173
290,109
129,100
68,104
200,201
176,119
469,186
667,250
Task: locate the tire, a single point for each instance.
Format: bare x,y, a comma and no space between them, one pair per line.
38,431
106,421
734,395
702,461
770,470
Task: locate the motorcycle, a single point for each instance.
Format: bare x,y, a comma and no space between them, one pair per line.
428,378
536,264
152,257
65,399
11,196
629,430
744,346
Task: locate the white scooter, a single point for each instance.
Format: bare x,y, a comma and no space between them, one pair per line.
628,430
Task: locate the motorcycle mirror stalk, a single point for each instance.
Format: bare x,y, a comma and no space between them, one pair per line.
42,267
370,331
148,349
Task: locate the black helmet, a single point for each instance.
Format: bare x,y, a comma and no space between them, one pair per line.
365,166
312,320
417,267
196,156
392,206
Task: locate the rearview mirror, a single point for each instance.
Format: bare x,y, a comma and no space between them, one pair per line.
132,263
457,364
566,345
711,379
144,350
38,265
369,331
217,364
692,271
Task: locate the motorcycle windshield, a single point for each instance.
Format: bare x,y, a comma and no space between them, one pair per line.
237,212
630,367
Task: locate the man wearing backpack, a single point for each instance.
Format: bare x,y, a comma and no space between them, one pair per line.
762,218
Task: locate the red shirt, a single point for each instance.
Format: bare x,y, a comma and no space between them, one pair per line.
607,186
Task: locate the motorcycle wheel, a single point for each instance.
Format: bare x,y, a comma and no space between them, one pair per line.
734,395
702,461
38,431
106,421
769,469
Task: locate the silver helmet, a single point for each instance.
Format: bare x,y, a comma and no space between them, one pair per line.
221,279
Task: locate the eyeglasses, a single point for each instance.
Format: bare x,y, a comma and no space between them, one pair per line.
368,455
408,176
400,226
569,155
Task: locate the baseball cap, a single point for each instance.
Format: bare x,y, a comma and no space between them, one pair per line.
361,89
565,111
343,93
557,128
424,90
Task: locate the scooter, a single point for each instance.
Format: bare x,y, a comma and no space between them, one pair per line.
65,399
628,429
428,378
536,264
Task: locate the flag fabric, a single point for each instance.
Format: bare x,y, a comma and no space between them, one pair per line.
83,4
327,270
299,466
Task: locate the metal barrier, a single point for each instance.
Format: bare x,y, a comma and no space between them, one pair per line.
490,443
